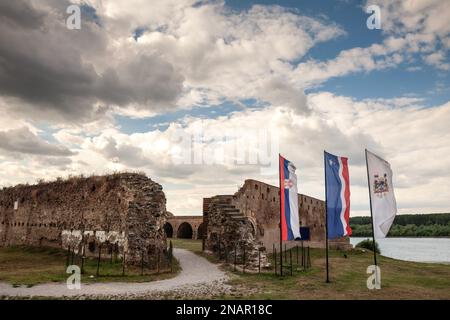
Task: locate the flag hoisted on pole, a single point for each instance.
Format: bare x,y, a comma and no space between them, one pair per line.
289,214
337,199
383,206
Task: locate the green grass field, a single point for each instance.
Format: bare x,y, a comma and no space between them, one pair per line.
30,266
189,244
399,279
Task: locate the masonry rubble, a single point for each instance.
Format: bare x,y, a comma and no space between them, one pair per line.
232,235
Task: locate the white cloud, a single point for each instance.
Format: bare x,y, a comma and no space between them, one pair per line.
438,59
415,140
202,54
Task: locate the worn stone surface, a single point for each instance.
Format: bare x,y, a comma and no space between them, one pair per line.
124,212
231,234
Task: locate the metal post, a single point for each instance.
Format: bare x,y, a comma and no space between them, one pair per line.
243,266
157,262
304,258
142,262
72,255
285,253
326,216
171,256
296,250
226,254
235,256
275,252
259,261
309,258
281,213
290,259
303,255
219,249
83,257
99,257
123,263
68,256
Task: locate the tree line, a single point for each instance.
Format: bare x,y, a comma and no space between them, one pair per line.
407,225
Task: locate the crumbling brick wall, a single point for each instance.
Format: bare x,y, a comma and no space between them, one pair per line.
126,210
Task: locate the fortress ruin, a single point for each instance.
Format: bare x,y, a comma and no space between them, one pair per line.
250,219
125,212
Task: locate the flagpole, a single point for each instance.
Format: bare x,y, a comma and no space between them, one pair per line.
371,213
281,234
326,213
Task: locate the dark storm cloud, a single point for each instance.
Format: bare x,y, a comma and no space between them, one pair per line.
24,141
53,71
145,80
21,14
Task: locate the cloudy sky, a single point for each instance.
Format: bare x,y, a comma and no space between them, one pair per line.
120,92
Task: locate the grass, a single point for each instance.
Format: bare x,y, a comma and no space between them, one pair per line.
188,244
348,278
30,266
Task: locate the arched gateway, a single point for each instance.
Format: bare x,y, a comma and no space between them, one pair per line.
186,227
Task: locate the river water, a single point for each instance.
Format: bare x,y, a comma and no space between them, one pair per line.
435,250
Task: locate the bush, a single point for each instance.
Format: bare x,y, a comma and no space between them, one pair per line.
368,244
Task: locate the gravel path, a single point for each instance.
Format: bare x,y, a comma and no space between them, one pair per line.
197,272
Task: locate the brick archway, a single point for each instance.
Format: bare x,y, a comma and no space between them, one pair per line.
193,221
185,231
168,229
201,231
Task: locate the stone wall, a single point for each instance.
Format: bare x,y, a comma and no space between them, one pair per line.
126,210
231,235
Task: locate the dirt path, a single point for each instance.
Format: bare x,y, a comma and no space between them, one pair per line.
196,271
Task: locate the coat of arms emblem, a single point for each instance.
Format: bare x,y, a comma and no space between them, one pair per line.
380,185
288,183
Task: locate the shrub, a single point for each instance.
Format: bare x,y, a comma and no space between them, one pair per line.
368,244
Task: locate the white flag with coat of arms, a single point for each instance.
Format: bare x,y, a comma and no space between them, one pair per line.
384,206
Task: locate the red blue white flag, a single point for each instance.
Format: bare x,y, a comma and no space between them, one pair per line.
290,225
338,196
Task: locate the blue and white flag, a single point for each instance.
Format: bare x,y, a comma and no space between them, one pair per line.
338,196
290,222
